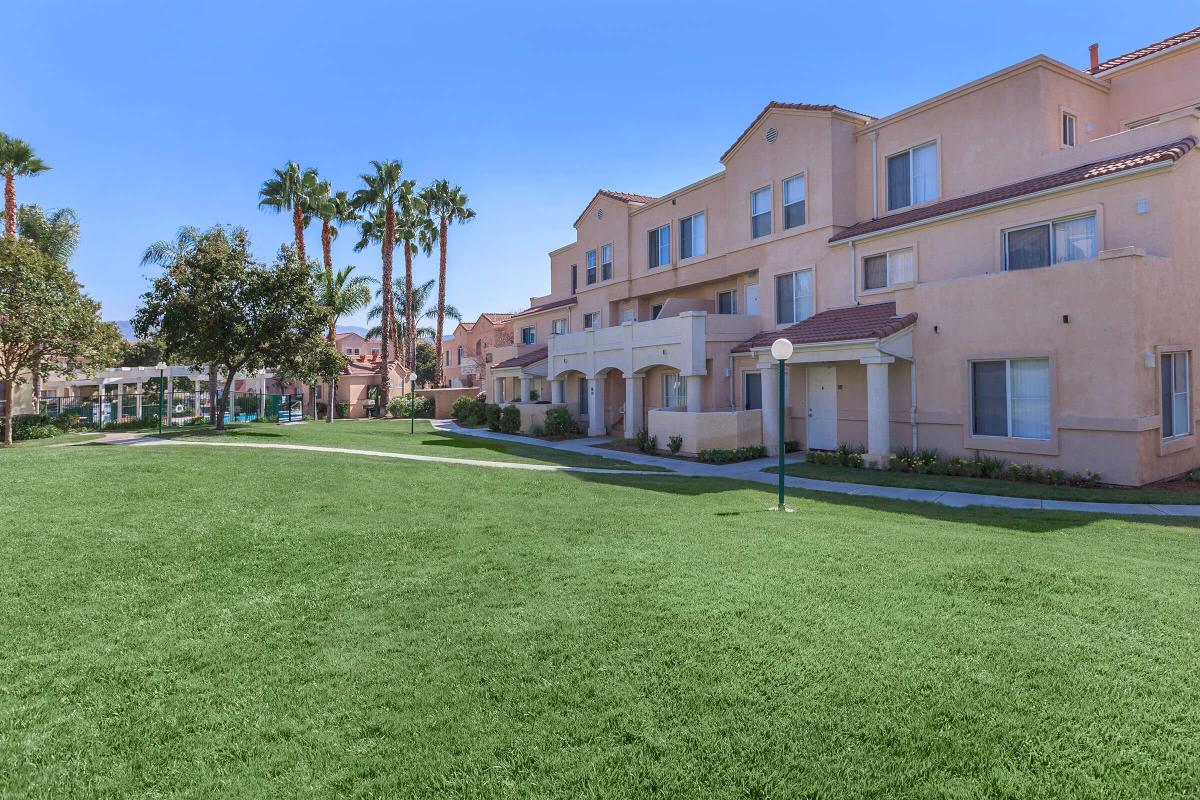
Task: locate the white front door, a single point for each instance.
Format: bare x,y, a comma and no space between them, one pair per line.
822,408
752,299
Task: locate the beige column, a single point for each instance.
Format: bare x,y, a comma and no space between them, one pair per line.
526,388
693,393
262,396
596,406
879,443
137,387
556,391
770,408
230,402
196,394
633,405
497,390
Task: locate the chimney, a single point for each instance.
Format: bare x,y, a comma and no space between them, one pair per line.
1094,52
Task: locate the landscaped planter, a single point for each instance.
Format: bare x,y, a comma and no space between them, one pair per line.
706,430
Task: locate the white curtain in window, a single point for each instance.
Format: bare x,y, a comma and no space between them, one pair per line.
1180,396
1075,239
1029,388
924,173
900,265
698,235
804,294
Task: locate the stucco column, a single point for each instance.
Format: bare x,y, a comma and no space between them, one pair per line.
879,443
596,406
526,388
262,396
693,393
770,408
231,401
497,389
556,391
196,395
633,405
137,399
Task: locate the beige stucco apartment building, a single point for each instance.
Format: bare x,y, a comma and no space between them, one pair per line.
1010,268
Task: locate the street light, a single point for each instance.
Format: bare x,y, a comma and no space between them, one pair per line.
162,393
781,351
412,389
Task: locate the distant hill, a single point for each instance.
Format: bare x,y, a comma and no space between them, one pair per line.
126,328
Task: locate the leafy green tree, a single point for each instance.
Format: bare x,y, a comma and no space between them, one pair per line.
57,235
427,362
17,160
218,306
169,251
45,318
142,353
292,189
449,204
376,204
340,295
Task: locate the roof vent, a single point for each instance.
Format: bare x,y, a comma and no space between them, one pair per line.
772,134
599,213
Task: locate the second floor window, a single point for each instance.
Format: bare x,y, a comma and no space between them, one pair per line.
659,246
528,335
888,269
794,191
1050,243
760,212
606,262
558,327
912,177
727,302
794,298
691,236
591,320
1068,130
591,267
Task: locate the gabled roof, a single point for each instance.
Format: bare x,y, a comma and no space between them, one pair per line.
569,301
524,360
874,321
1085,172
495,317
1148,50
620,197
774,104
467,325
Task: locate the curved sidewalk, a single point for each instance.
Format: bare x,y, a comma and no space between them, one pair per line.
753,471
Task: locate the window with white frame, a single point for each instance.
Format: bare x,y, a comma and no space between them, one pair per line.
692,236
606,263
888,269
794,298
1050,242
558,326
674,391
528,335
794,192
591,266
591,320
912,177
1011,398
727,302
1176,395
1068,129
760,212
659,246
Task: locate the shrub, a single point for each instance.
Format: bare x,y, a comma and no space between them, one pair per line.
730,456
470,410
401,407
323,409
341,410
462,408
645,442
491,414
510,419
675,444
533,395
196,420
23,423
559,422
39,432
791,446
537,429
64,422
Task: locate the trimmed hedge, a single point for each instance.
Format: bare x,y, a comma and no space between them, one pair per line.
422,407
731,456
510,419
469,410
559,422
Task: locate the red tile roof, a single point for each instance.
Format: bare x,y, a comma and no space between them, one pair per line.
1148,50
570,301
874,321
495,318
627,197
523,360
774,104
1097,169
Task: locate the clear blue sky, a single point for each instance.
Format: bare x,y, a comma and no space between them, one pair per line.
156,114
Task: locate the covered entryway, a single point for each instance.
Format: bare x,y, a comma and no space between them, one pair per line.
822,408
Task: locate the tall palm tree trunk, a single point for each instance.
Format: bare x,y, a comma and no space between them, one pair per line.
410,315
212,398
327,257
298,229
385,319
10,205
439,377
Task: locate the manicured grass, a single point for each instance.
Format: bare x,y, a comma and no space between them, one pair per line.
233,623
66,438
947,483
393,436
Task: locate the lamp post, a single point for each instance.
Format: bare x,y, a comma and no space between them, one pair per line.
781,351
412,390
162,392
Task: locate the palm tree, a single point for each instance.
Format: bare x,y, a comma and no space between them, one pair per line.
415,229
342,295
333,209
57,235
291,190
422,310
17,159
449,204
377,200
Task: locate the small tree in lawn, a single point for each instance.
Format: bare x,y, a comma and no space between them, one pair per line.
317,362
45,319
426,366
216,305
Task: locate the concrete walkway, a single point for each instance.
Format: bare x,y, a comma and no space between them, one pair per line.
753,471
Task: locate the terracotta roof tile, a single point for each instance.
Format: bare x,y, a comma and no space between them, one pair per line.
1148,50
569,301
627,197
874,321
1097,169
523,360
774,104
494,317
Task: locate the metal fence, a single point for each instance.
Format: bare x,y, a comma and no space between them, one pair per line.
176,407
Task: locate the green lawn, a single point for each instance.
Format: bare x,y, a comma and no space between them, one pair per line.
225,623
393,436
66,438
947,483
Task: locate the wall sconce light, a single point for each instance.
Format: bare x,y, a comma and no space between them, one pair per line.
1148,360
1066,319
935,328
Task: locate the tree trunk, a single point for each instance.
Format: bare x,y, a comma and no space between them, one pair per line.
410,314
298,229
37,386
332,397
327,246
10,206
389,239
438,375
220,412
8,412
212,398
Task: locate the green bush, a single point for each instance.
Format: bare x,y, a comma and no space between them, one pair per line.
533,395
510,420
23,423
645,442
40,432
791,446
401,406
470,410
559,422
537,429
462,407
341,410
720,456
322,409
675,444
64,422
491,415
